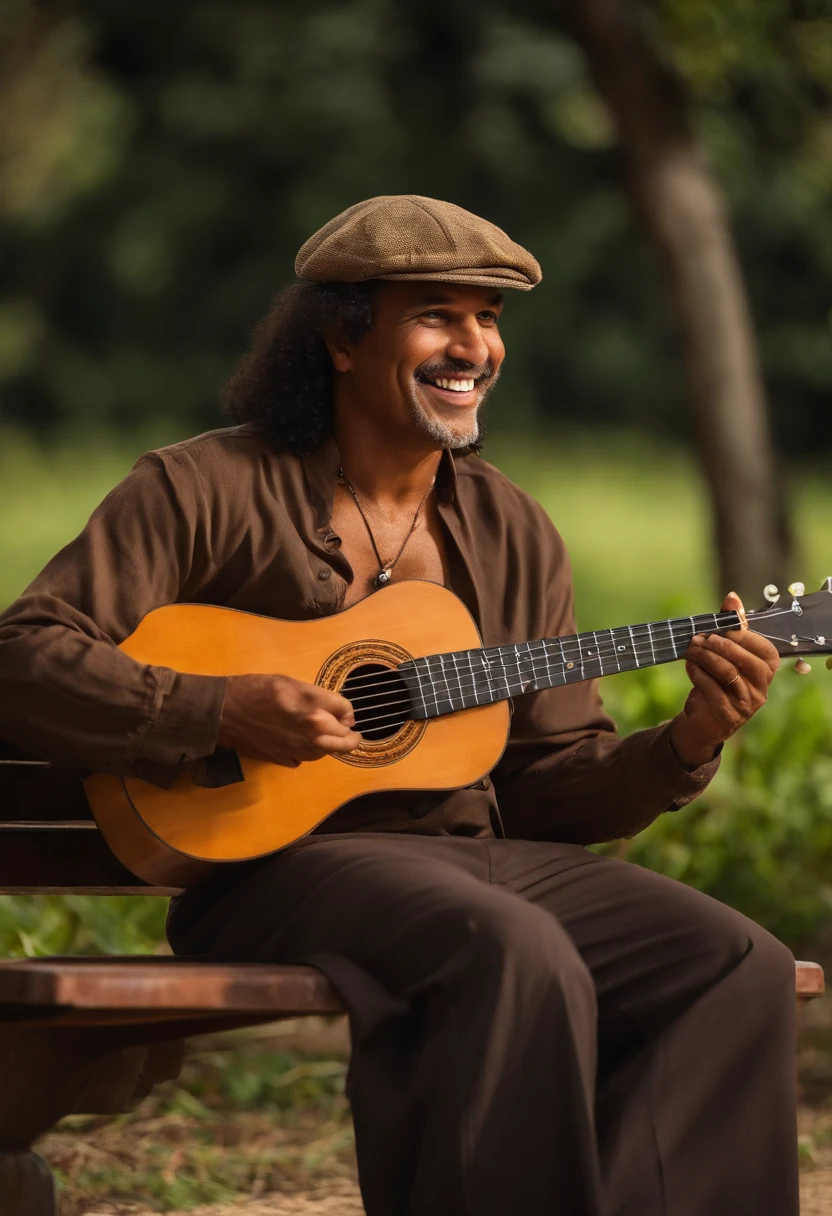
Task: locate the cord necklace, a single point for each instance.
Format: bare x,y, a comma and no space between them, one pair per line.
385,571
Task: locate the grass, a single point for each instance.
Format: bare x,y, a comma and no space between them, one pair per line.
633,514
252,1113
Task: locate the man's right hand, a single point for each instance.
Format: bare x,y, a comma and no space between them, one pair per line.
285,721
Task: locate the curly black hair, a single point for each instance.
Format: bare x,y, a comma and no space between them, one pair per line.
283,384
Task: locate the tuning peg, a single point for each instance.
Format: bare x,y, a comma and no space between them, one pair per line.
802,667
797,589
771,594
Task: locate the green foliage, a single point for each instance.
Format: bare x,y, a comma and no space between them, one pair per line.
79,924
264,1080
760,837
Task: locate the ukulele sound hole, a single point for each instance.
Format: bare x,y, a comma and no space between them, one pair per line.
379,698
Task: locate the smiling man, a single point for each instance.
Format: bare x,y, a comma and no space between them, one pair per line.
535,1029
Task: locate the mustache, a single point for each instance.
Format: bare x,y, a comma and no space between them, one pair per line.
449,368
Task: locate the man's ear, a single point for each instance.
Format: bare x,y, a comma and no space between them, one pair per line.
339,353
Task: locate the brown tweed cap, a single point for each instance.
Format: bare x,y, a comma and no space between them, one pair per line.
406,236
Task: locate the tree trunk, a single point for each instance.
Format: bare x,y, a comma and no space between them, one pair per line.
684,214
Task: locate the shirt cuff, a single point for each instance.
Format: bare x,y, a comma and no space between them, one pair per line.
679,783
185,721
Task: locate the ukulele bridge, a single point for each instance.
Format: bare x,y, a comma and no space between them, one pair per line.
366,674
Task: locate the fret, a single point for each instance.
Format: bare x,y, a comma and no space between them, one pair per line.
674,641
554,661
420,668
521,670
571,659
446,694
662,641
506,655
550,676
614,646
465,688
623,645
650,640
523,683
482,677
633,644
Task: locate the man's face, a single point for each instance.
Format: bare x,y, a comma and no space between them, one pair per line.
425,369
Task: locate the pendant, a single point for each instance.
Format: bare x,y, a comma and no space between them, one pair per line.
381,579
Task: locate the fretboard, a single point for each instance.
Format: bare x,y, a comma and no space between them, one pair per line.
463,679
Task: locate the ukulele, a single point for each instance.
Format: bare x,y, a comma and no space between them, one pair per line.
431,703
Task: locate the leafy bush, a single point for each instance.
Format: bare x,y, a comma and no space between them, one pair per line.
32,925
760,837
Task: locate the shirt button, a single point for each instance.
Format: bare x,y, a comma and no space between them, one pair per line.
325,574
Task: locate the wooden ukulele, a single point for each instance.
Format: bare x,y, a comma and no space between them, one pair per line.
431,704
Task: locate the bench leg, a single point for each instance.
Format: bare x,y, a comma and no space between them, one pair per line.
46,1074
26,1185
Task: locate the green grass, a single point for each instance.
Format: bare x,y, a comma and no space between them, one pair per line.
634,515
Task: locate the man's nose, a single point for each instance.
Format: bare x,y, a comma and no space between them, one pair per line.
468,344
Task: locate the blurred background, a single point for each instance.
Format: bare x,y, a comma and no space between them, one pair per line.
667,388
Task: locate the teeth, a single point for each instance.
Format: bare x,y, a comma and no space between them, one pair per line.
456,386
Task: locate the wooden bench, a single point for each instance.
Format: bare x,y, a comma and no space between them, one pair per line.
94,1035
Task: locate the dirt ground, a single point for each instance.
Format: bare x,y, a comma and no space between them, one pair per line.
340,1197
329,1189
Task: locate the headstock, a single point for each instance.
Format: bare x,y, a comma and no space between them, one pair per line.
798,624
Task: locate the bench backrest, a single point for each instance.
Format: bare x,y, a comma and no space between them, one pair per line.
49,842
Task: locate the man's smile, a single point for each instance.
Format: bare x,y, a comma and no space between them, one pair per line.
460,389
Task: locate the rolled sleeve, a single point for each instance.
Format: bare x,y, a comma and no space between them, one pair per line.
67,692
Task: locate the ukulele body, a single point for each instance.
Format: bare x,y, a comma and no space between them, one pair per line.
173,836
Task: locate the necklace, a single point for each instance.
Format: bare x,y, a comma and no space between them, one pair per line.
385,572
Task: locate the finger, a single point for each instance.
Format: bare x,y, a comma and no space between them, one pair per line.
733,603
725,657
717,697
322,723
756,644
333,703
339,744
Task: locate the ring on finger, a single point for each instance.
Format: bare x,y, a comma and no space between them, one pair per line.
730,682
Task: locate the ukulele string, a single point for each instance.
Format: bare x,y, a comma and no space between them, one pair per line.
534,650
532,646
373,675
464,686
662,653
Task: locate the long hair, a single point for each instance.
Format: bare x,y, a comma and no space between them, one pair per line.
283,383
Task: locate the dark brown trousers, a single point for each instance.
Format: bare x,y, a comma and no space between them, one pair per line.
536,1030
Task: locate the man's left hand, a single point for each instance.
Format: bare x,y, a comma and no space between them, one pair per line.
730,674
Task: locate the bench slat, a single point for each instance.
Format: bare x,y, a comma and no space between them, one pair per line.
63,859
163,987
30,792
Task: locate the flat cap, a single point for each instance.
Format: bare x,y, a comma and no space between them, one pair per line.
407,237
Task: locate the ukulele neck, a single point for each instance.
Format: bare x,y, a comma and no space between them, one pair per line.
444,683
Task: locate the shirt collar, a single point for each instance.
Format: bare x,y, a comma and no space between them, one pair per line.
321,470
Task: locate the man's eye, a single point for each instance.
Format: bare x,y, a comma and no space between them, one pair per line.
489,317
433,314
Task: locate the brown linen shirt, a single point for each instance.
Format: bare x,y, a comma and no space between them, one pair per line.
223,519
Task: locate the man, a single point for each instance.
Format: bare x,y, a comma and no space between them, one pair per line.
535,1029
